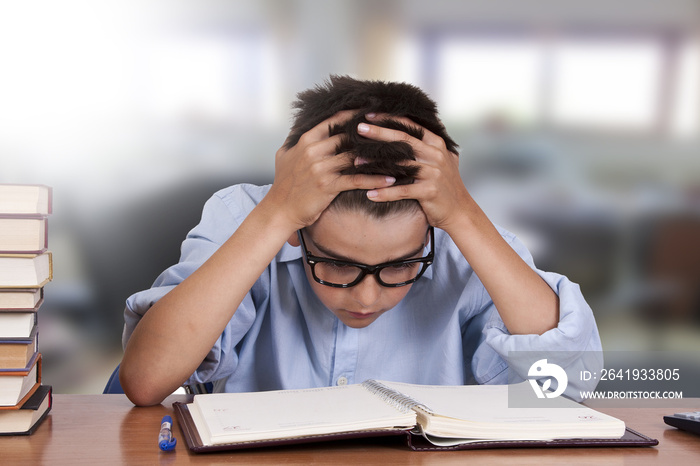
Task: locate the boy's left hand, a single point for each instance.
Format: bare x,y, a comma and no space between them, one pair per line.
438,186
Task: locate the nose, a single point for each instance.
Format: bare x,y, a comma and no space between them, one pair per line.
368,291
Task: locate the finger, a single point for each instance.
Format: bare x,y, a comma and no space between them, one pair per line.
393,193
328,176
325,147
393,135
379,117
429,137
320,131
368,182
384,134
309,150
423,152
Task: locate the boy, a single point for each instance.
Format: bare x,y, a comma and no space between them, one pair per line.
366,258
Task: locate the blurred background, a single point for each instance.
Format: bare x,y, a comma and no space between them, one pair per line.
578,124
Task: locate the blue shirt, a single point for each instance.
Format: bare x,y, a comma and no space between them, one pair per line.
446,331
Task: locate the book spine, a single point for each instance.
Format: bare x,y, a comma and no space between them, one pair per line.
398,400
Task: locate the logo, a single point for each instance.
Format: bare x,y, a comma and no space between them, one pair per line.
542,369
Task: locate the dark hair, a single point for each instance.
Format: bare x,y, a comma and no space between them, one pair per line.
383,158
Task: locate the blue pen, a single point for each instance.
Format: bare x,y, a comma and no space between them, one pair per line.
166,441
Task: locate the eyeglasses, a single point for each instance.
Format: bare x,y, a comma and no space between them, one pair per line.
343,274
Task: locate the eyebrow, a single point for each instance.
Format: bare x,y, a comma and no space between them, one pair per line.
340,257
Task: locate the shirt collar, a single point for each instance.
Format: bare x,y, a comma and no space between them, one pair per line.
289,253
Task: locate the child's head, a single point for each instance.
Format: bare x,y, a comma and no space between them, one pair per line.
379,158
354,228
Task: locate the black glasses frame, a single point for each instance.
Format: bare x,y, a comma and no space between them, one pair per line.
368,269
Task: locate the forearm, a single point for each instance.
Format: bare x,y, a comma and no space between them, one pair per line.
524,301
177,332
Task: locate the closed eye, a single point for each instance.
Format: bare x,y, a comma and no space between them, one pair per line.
404,266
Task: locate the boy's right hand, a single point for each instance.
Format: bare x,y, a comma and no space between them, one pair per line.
308,178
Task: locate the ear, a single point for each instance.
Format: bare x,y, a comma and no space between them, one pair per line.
294,240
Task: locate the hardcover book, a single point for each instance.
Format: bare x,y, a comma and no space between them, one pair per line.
16,353
16,324
18,384
25,270
17,299
28,416
23,234
25,199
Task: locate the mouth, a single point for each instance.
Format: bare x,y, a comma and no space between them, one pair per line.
361,315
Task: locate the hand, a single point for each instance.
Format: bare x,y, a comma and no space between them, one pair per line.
438,186
308,178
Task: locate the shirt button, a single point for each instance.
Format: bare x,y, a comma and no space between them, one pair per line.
342,380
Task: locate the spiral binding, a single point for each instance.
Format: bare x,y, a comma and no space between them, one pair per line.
398,400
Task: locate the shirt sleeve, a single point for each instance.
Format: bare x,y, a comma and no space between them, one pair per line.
574,344
218,222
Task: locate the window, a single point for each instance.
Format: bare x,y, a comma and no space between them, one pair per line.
606,81
476,78
686,118
216,77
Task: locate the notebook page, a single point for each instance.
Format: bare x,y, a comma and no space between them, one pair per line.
235,417
485,408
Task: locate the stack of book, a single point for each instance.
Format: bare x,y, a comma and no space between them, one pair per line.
25,267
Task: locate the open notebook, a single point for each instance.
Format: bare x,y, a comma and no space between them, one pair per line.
433,417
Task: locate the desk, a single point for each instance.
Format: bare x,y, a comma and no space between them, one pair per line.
108,429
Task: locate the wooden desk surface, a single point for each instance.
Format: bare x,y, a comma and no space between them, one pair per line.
108,429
